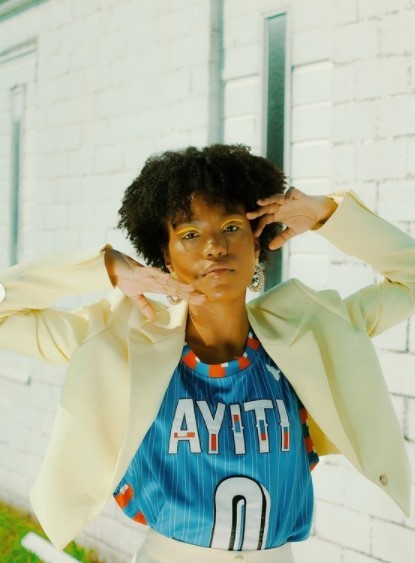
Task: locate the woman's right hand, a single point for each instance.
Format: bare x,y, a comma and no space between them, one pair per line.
134,280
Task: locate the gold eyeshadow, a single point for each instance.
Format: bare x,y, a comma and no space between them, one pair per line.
186,230
231,221
189,229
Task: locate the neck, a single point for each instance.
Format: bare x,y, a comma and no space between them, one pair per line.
217,331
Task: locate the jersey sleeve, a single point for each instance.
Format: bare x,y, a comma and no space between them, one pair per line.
359,232
29,324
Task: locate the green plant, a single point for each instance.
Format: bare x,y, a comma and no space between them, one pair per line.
15,524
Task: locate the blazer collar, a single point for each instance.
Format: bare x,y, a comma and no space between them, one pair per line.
267,324
171,321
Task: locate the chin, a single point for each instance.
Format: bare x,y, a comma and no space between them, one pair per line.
224,295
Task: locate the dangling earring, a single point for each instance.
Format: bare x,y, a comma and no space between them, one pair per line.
173,300
258,279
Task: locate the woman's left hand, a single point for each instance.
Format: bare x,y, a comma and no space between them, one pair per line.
298,211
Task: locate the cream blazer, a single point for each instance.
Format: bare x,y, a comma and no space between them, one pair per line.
120,364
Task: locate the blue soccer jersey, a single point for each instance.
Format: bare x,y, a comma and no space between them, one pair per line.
226,463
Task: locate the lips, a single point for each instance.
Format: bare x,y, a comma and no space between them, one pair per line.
216,270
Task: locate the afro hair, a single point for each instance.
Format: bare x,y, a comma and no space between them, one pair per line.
223,174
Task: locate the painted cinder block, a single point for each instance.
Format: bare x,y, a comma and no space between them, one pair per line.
396,197
241,96
399,371
396,116
308,15
382,159
395,339
329,482
391,541
354,42
345,12
311,83
311,122
344,526
396,31
354,121
311,159
363,496
311,45
371,83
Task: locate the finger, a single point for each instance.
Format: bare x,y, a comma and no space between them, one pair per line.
144,305
156,281
171,286
263,222
274,198
268,209
188,294
282,238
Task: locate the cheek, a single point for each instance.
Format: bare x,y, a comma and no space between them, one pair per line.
179,259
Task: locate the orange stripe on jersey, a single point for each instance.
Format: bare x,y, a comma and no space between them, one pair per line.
190,359
244,362
253,343
140,518
213,442
285,439
303,415
217,370
125,495
308,444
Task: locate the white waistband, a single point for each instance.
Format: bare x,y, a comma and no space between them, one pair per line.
160,549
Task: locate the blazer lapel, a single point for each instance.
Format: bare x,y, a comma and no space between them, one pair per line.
154,349
297,353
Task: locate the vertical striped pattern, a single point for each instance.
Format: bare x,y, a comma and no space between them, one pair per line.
175,492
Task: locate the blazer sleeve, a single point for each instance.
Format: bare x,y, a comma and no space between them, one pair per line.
29,325
359,232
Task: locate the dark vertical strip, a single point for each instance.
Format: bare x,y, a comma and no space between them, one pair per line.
276,47
17,94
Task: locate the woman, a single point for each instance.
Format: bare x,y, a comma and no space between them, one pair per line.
195,416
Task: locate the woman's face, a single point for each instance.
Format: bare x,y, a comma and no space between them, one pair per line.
213,249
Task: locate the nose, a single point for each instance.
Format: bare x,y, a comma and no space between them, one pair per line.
215,247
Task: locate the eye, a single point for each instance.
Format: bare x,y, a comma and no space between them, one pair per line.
231,228
190,235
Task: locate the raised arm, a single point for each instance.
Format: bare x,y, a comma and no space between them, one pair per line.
359,232
344,220
29,325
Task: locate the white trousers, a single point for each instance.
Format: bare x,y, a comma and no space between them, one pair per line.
160,549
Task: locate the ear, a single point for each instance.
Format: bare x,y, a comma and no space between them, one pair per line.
167,261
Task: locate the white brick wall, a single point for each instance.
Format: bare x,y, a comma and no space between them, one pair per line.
109,83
